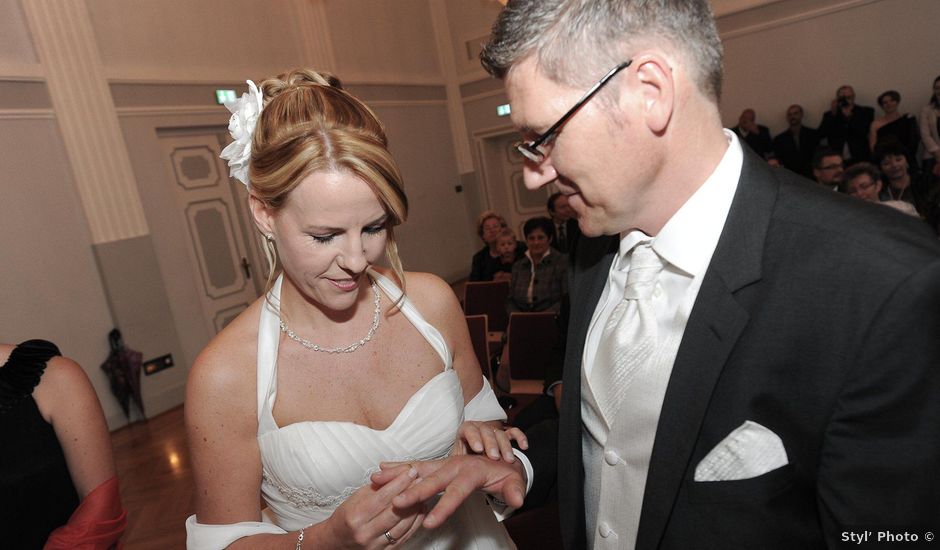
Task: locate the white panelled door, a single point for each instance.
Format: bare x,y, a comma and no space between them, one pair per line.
226,266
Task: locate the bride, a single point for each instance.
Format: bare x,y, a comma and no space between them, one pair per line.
335,369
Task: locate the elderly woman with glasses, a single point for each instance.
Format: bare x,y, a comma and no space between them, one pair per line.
486,262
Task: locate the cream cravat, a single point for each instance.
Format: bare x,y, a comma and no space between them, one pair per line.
629,337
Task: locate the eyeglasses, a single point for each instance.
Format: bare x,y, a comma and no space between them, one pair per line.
530,149
862,186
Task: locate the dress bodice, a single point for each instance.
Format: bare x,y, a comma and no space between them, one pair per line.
310,468
37,491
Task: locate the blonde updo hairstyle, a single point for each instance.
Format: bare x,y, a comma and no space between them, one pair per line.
308,124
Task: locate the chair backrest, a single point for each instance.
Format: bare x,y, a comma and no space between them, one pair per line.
488,298
532,339
478,331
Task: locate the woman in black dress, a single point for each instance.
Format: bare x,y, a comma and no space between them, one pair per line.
894,127
57,474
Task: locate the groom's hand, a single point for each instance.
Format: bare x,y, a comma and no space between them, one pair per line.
457,477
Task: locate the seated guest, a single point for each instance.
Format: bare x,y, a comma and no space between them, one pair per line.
845,127
863,181
901,186
755,135
57,474
506,246
486,261
566,226
827,168
901,128
540,277
794,147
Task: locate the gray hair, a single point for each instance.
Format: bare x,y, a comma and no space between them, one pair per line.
576,41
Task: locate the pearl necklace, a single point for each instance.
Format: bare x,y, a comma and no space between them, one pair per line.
345,349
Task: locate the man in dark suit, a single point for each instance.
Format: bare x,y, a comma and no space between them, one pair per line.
752,361
845,127
755,135
566,226
794,147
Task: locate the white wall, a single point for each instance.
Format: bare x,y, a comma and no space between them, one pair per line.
204,40
801,52
49,284
383,41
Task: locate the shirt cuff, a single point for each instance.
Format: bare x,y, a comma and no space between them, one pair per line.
527,466
502,510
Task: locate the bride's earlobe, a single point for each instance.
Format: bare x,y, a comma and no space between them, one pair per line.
263,216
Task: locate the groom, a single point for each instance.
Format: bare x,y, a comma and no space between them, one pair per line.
752,362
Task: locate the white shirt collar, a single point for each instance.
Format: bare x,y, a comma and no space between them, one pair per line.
547,254
689,238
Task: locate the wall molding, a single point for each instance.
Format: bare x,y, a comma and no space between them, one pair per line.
483,95
22,72
475,76
406,103
172,111
812,11
214,111
145,76
455,112
314,30
27,114
65,44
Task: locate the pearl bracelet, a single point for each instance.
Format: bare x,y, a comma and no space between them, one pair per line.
300,539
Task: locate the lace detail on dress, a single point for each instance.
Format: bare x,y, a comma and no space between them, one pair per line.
307,498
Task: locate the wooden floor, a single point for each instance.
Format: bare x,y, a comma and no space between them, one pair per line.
156,481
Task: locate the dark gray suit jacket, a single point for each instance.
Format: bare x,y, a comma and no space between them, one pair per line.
819,318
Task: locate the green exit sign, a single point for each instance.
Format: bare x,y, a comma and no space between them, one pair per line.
221,96
503,110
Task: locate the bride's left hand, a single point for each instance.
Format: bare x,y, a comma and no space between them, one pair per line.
490,438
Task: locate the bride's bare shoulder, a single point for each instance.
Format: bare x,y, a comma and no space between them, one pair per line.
227,365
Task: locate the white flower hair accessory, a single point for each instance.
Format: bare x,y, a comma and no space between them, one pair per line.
241,126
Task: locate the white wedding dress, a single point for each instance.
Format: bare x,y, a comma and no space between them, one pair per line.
310,468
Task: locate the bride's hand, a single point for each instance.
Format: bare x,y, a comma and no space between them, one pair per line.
490,438
363,520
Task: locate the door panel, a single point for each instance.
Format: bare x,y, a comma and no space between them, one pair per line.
218,245
504,189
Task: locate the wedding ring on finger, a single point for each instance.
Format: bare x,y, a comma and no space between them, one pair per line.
391,540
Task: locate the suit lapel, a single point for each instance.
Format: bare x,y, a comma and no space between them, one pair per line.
715,324
589,270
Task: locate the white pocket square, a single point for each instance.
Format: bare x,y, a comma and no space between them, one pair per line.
749,451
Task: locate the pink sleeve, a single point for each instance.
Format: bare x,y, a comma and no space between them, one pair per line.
97,523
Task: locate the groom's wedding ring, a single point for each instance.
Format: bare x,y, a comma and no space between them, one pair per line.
390,538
